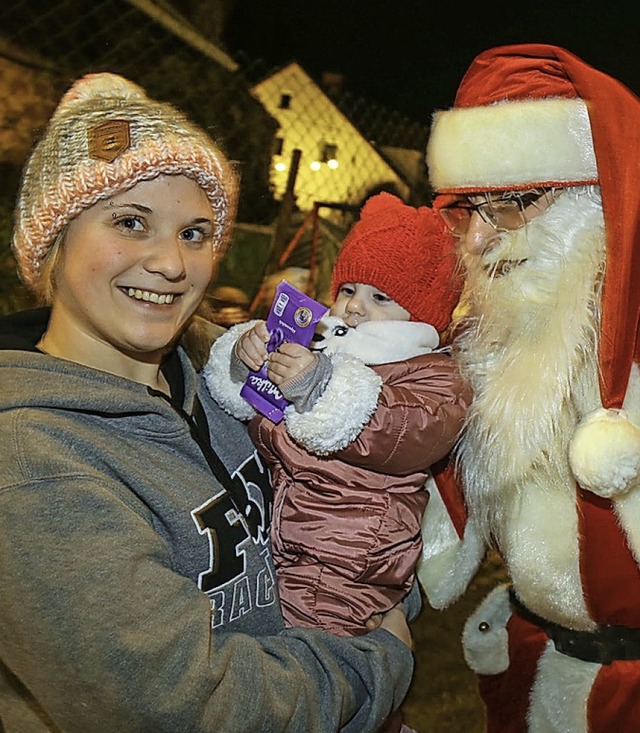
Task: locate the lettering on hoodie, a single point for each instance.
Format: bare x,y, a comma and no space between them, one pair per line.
234,528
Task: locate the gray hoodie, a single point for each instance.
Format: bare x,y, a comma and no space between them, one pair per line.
138,594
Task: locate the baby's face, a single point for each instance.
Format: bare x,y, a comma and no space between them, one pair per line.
356,303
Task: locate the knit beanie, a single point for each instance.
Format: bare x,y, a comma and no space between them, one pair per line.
106,136
405,252
537,115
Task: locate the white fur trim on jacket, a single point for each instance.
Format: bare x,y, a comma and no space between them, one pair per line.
219,374
507,144
485,642
448,563
560,693
342,410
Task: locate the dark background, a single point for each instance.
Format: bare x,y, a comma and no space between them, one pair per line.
410,55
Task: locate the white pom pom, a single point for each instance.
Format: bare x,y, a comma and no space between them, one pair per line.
604,453
103,84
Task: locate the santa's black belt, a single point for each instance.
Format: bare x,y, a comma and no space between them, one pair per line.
604,645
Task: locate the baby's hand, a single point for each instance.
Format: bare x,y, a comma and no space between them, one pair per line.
287,361
251,347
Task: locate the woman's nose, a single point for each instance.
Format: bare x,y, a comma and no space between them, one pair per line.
166,258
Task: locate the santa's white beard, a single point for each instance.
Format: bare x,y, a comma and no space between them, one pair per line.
529,349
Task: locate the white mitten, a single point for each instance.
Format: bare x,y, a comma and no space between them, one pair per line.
485,643
604,453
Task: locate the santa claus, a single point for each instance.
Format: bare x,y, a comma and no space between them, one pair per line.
537,170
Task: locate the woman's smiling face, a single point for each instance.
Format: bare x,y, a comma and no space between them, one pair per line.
133,269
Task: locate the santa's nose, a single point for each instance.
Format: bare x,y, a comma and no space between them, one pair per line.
480,237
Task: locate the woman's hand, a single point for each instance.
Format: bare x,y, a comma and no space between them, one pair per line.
395,622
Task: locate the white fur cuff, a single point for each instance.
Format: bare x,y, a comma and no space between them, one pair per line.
341,412
218,376
448,563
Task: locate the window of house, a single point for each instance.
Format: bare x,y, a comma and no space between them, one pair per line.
285,101
329,152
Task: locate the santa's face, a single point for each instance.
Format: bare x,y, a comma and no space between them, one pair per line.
518,274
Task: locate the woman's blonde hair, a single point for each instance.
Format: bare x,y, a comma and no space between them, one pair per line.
44,287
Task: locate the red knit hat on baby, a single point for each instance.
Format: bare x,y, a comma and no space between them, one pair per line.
405,252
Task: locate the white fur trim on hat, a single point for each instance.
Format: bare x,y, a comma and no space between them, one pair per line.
328,427
604,453
511,144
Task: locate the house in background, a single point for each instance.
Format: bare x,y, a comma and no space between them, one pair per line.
336,164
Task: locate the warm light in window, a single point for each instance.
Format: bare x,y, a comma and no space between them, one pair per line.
280,166
316,165
333,163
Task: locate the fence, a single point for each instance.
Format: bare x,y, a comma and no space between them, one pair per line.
346,147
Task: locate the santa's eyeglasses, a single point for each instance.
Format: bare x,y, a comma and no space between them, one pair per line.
504,211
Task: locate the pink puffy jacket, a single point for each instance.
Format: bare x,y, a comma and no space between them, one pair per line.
346,525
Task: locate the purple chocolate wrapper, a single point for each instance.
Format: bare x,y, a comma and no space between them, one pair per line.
293,317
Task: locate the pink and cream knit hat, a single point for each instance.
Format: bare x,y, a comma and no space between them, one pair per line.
105,137
407,253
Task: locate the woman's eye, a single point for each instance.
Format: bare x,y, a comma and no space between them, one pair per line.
130,223
195,235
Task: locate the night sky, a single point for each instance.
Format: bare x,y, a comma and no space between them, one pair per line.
410,55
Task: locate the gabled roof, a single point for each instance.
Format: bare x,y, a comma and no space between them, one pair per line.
379,125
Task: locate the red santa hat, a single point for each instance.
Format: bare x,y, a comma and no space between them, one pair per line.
537,115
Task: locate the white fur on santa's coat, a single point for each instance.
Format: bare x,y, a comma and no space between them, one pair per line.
560,691
448,562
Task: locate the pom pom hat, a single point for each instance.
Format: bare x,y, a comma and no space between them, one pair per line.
536,115
105,137
405,252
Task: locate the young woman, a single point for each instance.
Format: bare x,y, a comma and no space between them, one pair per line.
138,587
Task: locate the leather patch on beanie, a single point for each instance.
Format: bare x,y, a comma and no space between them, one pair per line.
108,140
